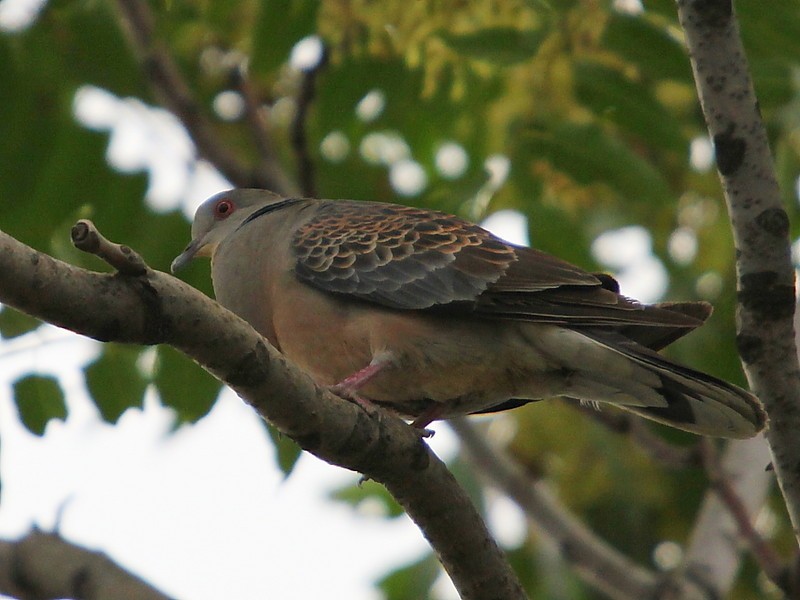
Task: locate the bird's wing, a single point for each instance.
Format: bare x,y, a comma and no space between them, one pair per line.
410,258
416,259
512,297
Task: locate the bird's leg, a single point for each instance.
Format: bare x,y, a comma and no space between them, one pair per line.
352,383
348,387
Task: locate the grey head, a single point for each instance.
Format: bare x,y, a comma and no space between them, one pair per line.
220,216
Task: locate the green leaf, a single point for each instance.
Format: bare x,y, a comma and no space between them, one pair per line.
287,452
14,323
280,25
61,166
39,399
435,117
629,104
354,495
787,167
499,45
82,43
183,385
589,155
412,581
652,48
115,381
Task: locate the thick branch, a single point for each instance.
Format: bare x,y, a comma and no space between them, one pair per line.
44,566
165,78
157,308
760,226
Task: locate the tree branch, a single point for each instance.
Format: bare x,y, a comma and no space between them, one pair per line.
259,127
168,84
299,133
157,308
595,561
728,516
760,224
42,566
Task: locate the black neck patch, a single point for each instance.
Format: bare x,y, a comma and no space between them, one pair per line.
268,209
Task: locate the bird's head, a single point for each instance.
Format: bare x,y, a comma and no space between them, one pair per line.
218,217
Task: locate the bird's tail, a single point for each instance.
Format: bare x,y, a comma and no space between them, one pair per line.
664,391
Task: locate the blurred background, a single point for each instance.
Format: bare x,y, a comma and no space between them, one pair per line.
570,125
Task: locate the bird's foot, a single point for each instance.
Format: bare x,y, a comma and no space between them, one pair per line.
369,407
350,394
428,416
348,387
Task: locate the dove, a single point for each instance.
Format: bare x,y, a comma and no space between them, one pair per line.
431,316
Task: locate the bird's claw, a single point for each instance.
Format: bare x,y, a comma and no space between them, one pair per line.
347,393
424,432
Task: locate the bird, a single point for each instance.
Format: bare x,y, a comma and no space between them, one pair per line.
431,316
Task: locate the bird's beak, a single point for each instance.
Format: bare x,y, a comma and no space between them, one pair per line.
185,257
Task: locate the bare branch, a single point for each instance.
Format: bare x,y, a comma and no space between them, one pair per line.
594,560
42,566
738,498
86,237
254,115
157,308
760,226
168,84
299,134
714,550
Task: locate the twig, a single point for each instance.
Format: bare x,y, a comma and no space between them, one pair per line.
760,226
169,85
253,112
669,455
86,237
764,554
269,166
299,133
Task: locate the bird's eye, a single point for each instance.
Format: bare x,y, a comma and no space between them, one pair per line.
223,209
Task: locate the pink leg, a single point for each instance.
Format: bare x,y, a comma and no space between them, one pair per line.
348,387
359,379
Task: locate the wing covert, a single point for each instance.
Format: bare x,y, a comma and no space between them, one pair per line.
398,256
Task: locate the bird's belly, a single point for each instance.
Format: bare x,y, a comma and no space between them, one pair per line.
462,364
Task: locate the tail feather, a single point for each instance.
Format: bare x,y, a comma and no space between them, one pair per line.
670,393
608,366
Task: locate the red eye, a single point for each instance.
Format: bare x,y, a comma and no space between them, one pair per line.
223,209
